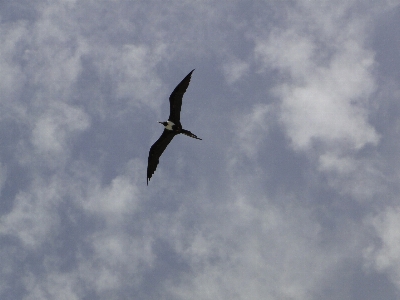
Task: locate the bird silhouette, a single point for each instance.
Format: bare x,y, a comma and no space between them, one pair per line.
172,126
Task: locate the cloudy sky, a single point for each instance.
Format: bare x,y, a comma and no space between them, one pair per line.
293,193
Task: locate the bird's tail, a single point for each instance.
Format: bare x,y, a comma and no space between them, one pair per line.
188,133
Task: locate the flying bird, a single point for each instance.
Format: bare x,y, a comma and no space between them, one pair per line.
172,126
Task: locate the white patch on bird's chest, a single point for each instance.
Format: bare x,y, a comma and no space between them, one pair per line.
169,125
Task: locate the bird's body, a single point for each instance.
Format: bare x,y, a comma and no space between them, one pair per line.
169,125
172,126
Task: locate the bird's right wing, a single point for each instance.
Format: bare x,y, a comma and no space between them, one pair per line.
175,99
156,150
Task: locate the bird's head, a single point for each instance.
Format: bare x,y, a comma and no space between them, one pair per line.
164,123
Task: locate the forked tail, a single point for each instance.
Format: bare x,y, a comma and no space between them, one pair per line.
188,133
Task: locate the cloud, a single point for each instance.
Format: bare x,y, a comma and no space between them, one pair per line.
281,200
258,250
255,131
56,126
327,103
325,90
121,197
383,255
235,69
132,71
54,285
33,219
12,77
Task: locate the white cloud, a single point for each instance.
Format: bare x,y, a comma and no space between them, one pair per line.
256,250
235,70
119,198
12,77
53,54
384,255
118,260
230,232
53,285
326,103
252,129
56,126
296,57
33,218
132,69
325,85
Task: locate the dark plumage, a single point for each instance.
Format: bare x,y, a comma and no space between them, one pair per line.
172,126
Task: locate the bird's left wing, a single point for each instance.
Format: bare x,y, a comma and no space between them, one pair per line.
156,150
175,99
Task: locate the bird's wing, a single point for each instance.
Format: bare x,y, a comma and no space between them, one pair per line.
156,150
175,100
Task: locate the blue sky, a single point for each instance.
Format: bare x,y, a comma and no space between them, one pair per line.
293,193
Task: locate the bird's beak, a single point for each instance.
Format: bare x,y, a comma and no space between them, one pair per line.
160,122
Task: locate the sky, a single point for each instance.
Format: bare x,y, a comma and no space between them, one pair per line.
293,193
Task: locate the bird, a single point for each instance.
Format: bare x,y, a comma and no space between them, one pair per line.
172,128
